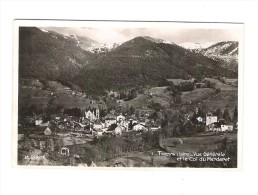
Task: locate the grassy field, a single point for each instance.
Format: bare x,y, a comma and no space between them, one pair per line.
204,143
216,84
197,95
159,95
31,92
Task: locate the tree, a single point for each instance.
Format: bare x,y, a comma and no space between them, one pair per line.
157,107
235,116
218,113
131,110
201,112
102,112
51,106
226,115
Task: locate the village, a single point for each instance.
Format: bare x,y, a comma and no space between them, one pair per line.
60,134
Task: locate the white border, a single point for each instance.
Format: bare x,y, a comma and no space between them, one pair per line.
239,28
20,181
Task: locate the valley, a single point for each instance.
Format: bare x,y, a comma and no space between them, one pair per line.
86,103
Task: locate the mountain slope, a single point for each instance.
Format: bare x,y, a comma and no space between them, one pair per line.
196,46
85,43
48,56
225,52
142,61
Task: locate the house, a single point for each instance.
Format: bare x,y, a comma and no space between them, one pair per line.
65,151
92,114
139,127
227,128
155,128
120,118
213,127
47,131
100,132
211,120
200,119
109,122
46,124
133,121
38,121
119,130
42,144
97,125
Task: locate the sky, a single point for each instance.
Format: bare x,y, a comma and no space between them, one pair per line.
175,35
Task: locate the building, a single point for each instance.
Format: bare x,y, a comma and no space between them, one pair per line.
119,130
199,119
92,114
109,122
65,151
155,128
139,127
227,128
211,120
97,125
120,120
38,121
47,131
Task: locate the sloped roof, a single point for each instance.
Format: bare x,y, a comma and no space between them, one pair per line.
97,122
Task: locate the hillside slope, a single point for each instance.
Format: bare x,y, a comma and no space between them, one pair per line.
48,56
141,61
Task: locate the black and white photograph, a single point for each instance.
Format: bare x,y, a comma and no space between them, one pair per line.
128,94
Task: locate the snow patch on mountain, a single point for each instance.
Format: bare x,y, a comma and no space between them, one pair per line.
196,46
102,47
43,30
158,40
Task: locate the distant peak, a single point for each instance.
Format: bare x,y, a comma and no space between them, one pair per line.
154,40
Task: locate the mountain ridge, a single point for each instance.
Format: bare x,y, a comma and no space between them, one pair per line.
140,61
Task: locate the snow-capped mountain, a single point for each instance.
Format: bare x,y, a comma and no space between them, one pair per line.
225,52
85,43
196,46
155,40
226,48
102,47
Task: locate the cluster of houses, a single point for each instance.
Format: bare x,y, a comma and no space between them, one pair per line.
92,124
213,123
114,124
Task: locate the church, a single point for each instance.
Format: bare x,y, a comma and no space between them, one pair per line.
92,114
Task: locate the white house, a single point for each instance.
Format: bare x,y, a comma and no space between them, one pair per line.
227,128
155,128
211,120
199,119
120,119
38,122
109,122
47,131
97,125
138,127
119,130
65,151
100,132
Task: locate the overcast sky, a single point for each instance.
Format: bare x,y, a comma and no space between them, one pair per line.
176,35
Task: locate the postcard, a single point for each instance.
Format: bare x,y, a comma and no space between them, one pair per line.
127,94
